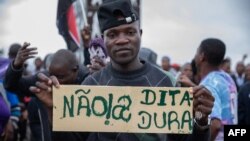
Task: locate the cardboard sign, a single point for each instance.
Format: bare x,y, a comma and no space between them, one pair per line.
122,109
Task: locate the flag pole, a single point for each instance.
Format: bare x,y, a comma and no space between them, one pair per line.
83,13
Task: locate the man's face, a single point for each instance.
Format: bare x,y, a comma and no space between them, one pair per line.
64,74
187,70
123,42
226,67
240,68
38,63
165,64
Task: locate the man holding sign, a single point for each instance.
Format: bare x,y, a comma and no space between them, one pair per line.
122,37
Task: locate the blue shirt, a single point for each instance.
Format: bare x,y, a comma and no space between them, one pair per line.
224,90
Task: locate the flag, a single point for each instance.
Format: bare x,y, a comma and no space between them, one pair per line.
67,23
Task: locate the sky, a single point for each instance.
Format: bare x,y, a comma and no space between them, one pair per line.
173,28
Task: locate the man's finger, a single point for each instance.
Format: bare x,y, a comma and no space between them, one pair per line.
29,53
43,86
55,81
197,88
29,49
204,109
201,91
42,77
30,57
25,45
95,66
206,102
99,61
34,89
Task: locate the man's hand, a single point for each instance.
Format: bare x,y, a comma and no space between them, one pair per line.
96,64
203,103
43,88
184,80
23,54
86,36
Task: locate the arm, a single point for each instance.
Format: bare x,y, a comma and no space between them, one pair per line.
13,80
185,81
215,128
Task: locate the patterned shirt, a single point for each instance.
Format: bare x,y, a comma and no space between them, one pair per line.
224,90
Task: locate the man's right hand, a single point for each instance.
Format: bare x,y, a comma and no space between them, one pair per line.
86,36
96,64
43,89
23,54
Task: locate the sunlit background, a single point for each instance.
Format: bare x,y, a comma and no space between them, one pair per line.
170,27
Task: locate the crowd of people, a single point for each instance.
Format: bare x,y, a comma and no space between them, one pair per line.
221,95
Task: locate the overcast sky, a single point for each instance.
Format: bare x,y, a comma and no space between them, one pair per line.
170,27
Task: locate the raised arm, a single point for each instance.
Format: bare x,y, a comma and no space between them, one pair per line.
13,80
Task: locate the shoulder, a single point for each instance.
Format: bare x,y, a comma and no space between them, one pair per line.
159,77
213,82
213,78
94,79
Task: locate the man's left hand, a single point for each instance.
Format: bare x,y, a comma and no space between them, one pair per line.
203,103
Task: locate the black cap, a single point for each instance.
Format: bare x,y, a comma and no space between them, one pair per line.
116,12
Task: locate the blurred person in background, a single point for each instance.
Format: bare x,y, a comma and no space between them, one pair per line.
11,128
146,54
226,65
66,69
185,76
244,100
39,66
47,61
239,75
166,65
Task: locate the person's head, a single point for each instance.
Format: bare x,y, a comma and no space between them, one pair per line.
240,68
38,63
64,66
165,63
210,53
13,50
148,55
176,67
47,60
247,72
226,65
186,69
121,31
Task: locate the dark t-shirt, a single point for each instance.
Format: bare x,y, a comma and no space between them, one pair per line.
147,75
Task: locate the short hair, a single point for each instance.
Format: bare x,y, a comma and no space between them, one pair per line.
65,57
165,58
214,50
13,50
226,60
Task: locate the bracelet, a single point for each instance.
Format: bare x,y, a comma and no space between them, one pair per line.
201,126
